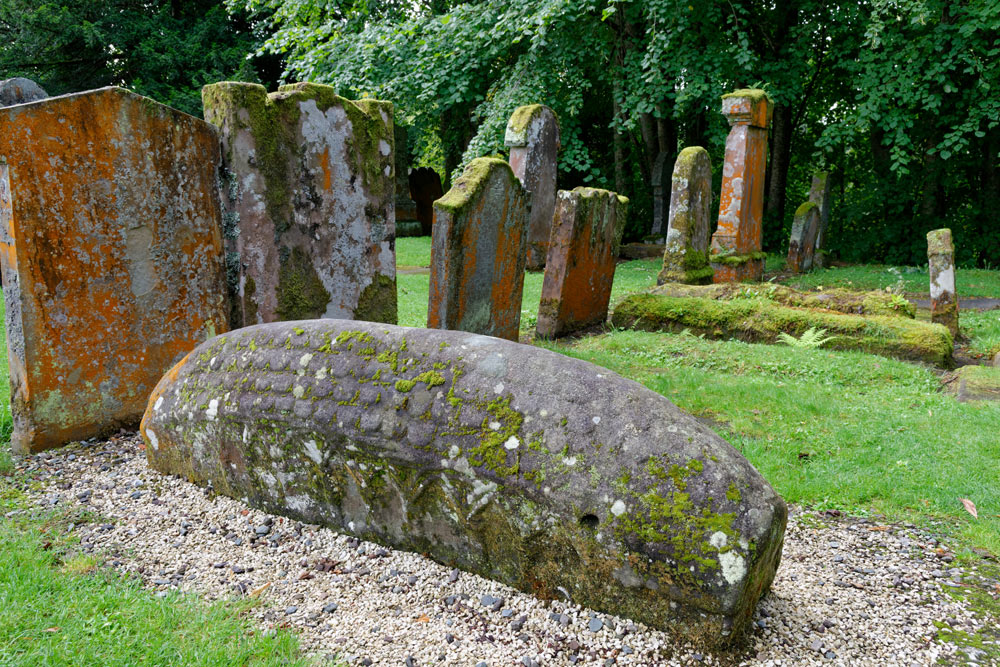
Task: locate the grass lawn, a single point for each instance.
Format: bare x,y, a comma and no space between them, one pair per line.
909,280
982,328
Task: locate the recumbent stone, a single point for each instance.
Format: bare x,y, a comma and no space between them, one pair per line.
510,461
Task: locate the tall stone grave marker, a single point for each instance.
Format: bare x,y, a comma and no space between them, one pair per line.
685,259
425,188
660,184
805,226
20,91
819,194
478,252
533,139
941,262
407,223
580,267
111,256
736,245
309,202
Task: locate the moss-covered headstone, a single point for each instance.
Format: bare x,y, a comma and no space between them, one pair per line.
111,257
685,259
802,242
736,245
308,197
543,472
580,268
478,252
819,194
533,138
941,262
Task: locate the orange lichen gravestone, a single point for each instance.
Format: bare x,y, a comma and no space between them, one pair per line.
111,257
533,138
736,245
478,252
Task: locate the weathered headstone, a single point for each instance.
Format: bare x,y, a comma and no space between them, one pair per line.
533,138
819,194
661,184
736,245
802,241
425,188
20,91
309,221
941,263
580,268
111,257
543,472
685,259
407,223
478,252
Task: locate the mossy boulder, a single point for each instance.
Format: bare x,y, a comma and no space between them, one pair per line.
540,471
836,299
760,321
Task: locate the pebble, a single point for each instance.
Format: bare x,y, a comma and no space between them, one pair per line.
876,603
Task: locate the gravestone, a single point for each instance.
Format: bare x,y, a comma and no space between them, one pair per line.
111,257
533,138
941,263
309,195
685,259
514,462
478,252
805,226
425,188
736,245
660,187
580,268
20,91
819,194
407,223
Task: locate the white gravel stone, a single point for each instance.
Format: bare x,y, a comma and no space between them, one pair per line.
848,591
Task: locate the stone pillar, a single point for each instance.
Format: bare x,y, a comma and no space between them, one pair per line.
803,238
580,267
111,253
425,188
660,185
20,91
819,194
533,139
941,262
736,245
685,259
309,203
407,223
478,252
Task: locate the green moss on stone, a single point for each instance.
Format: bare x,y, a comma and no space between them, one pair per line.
301,294
470,183
804,208
939,242
737,260
755,94
404,386
377,302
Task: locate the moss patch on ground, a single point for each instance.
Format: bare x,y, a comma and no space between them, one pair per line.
761,321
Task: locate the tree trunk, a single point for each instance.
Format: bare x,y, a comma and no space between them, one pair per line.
777,168
618,141
650,145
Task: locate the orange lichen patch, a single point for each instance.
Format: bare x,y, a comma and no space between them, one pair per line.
112,261
478,252
580,266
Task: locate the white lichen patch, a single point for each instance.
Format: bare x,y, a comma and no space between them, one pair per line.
569,461
498,389
454,451
718,540
151,436
618,508
512,443
596,420
734,568
305,359
212,411
159,402
494,426
312,451
298,391
321,373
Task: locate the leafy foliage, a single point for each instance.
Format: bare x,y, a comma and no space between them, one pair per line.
810,338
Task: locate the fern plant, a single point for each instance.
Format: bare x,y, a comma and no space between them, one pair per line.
811,338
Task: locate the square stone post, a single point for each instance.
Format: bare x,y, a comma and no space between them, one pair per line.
941,264
736,245
533,138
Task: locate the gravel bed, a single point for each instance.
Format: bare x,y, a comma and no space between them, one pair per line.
848,592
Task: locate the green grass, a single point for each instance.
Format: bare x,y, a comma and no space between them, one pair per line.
910,280
829,429
982,329
414,288
58,608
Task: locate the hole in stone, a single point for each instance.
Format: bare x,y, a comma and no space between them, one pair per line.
589,521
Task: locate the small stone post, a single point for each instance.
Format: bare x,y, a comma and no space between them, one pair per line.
533,139
736,245
941,262
819,194
685,259
803,238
